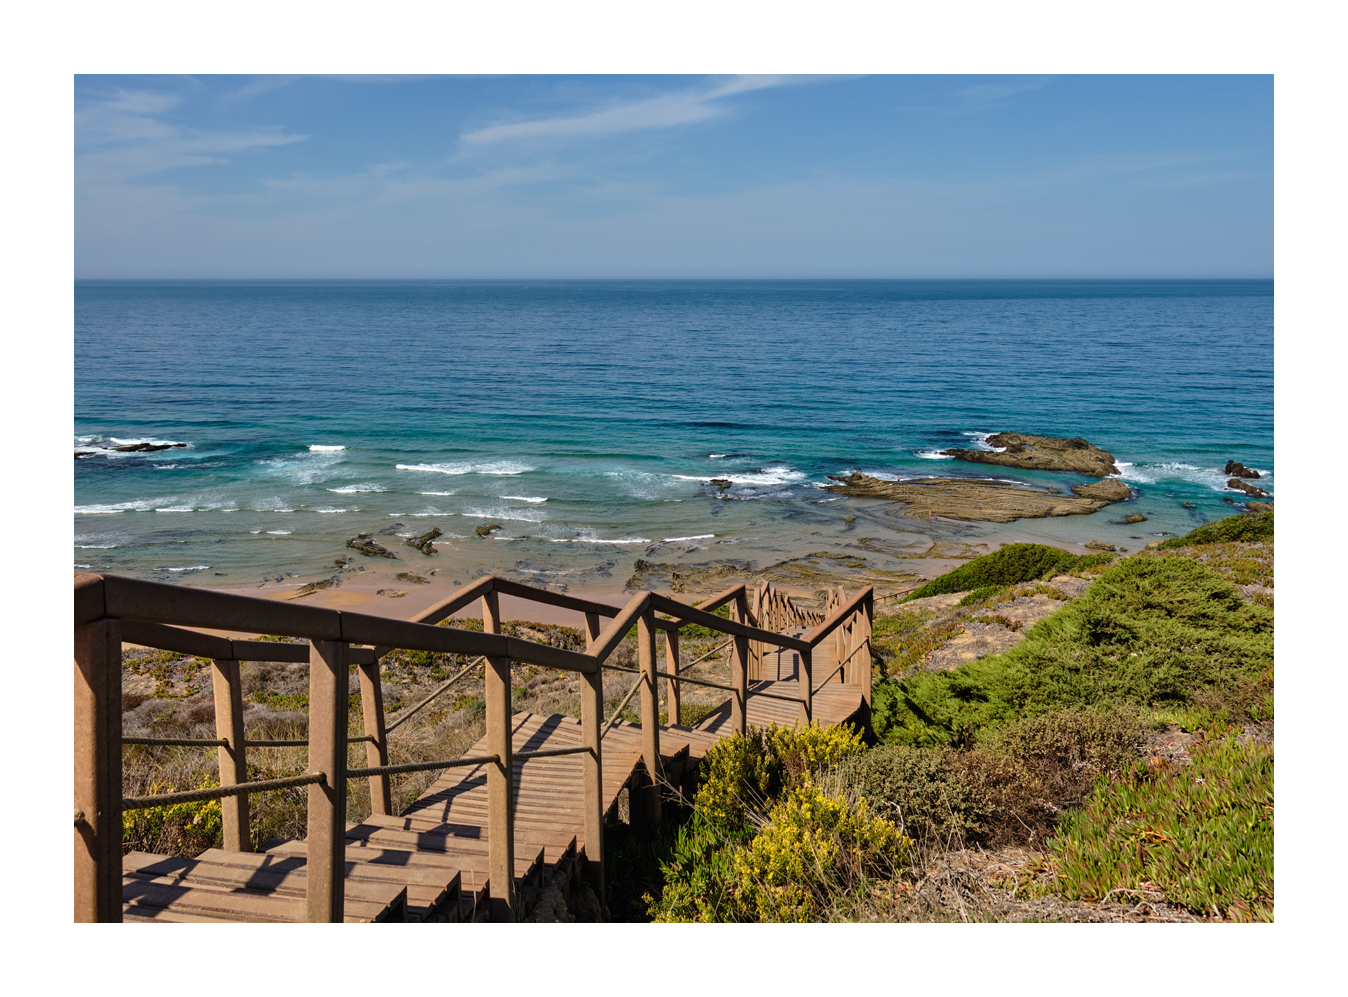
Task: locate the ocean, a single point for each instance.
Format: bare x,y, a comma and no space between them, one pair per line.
588,418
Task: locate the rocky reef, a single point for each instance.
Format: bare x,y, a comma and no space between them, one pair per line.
979,500
1042,453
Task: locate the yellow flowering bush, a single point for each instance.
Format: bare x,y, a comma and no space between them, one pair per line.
178,829
807,750
738,777
813,845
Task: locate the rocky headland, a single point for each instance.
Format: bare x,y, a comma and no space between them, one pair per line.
982,501
1042,453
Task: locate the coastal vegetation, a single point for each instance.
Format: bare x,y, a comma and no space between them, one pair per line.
1115,763
1009,565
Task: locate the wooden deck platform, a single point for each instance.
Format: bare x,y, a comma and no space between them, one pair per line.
430,863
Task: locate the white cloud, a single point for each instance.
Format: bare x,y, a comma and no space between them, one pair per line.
683,107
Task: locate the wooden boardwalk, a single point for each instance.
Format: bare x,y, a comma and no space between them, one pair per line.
435,861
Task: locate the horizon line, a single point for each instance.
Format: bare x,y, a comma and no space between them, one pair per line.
758,278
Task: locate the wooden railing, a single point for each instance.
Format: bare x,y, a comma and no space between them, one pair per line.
111,609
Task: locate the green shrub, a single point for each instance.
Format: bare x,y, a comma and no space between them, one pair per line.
1201,834
1246,527
981,594
1150,630
696,631
932,801
698,878
1012,564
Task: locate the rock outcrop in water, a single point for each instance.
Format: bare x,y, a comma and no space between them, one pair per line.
423,542
1042,453
1248,489
983,501
147,447
1237,470
1108,490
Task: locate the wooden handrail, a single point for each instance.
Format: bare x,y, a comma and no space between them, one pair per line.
695,614
838,617
138,601
202,645
612,635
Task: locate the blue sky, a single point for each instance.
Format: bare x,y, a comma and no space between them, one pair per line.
674,176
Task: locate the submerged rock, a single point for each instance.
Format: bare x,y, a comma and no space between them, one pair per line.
368,547
487,529
1042,453
1237,470
976,499
147,447
1136,517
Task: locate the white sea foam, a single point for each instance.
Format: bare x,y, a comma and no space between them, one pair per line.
175,508
138,505
1150,474
592,539
254,531
281,533
517,515
272,504
95,546
700,536
717,456
320,448
194,567
437,493
932,455
508,467
981,441
524,498
765,476
329,510
352,489
84,565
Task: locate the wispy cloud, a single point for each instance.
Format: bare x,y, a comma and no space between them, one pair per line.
123,135
683,107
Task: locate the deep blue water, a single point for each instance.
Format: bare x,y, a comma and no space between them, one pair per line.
458,402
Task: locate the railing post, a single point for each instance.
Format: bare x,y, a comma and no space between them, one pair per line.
805,683
739,669
592,763
325,869
672,668
650,712
98,771
376,751
500,791
867,624
758,617
232,759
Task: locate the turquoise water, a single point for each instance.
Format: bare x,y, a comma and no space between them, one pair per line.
586,417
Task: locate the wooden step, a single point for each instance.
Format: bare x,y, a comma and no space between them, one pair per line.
169,888
432,881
